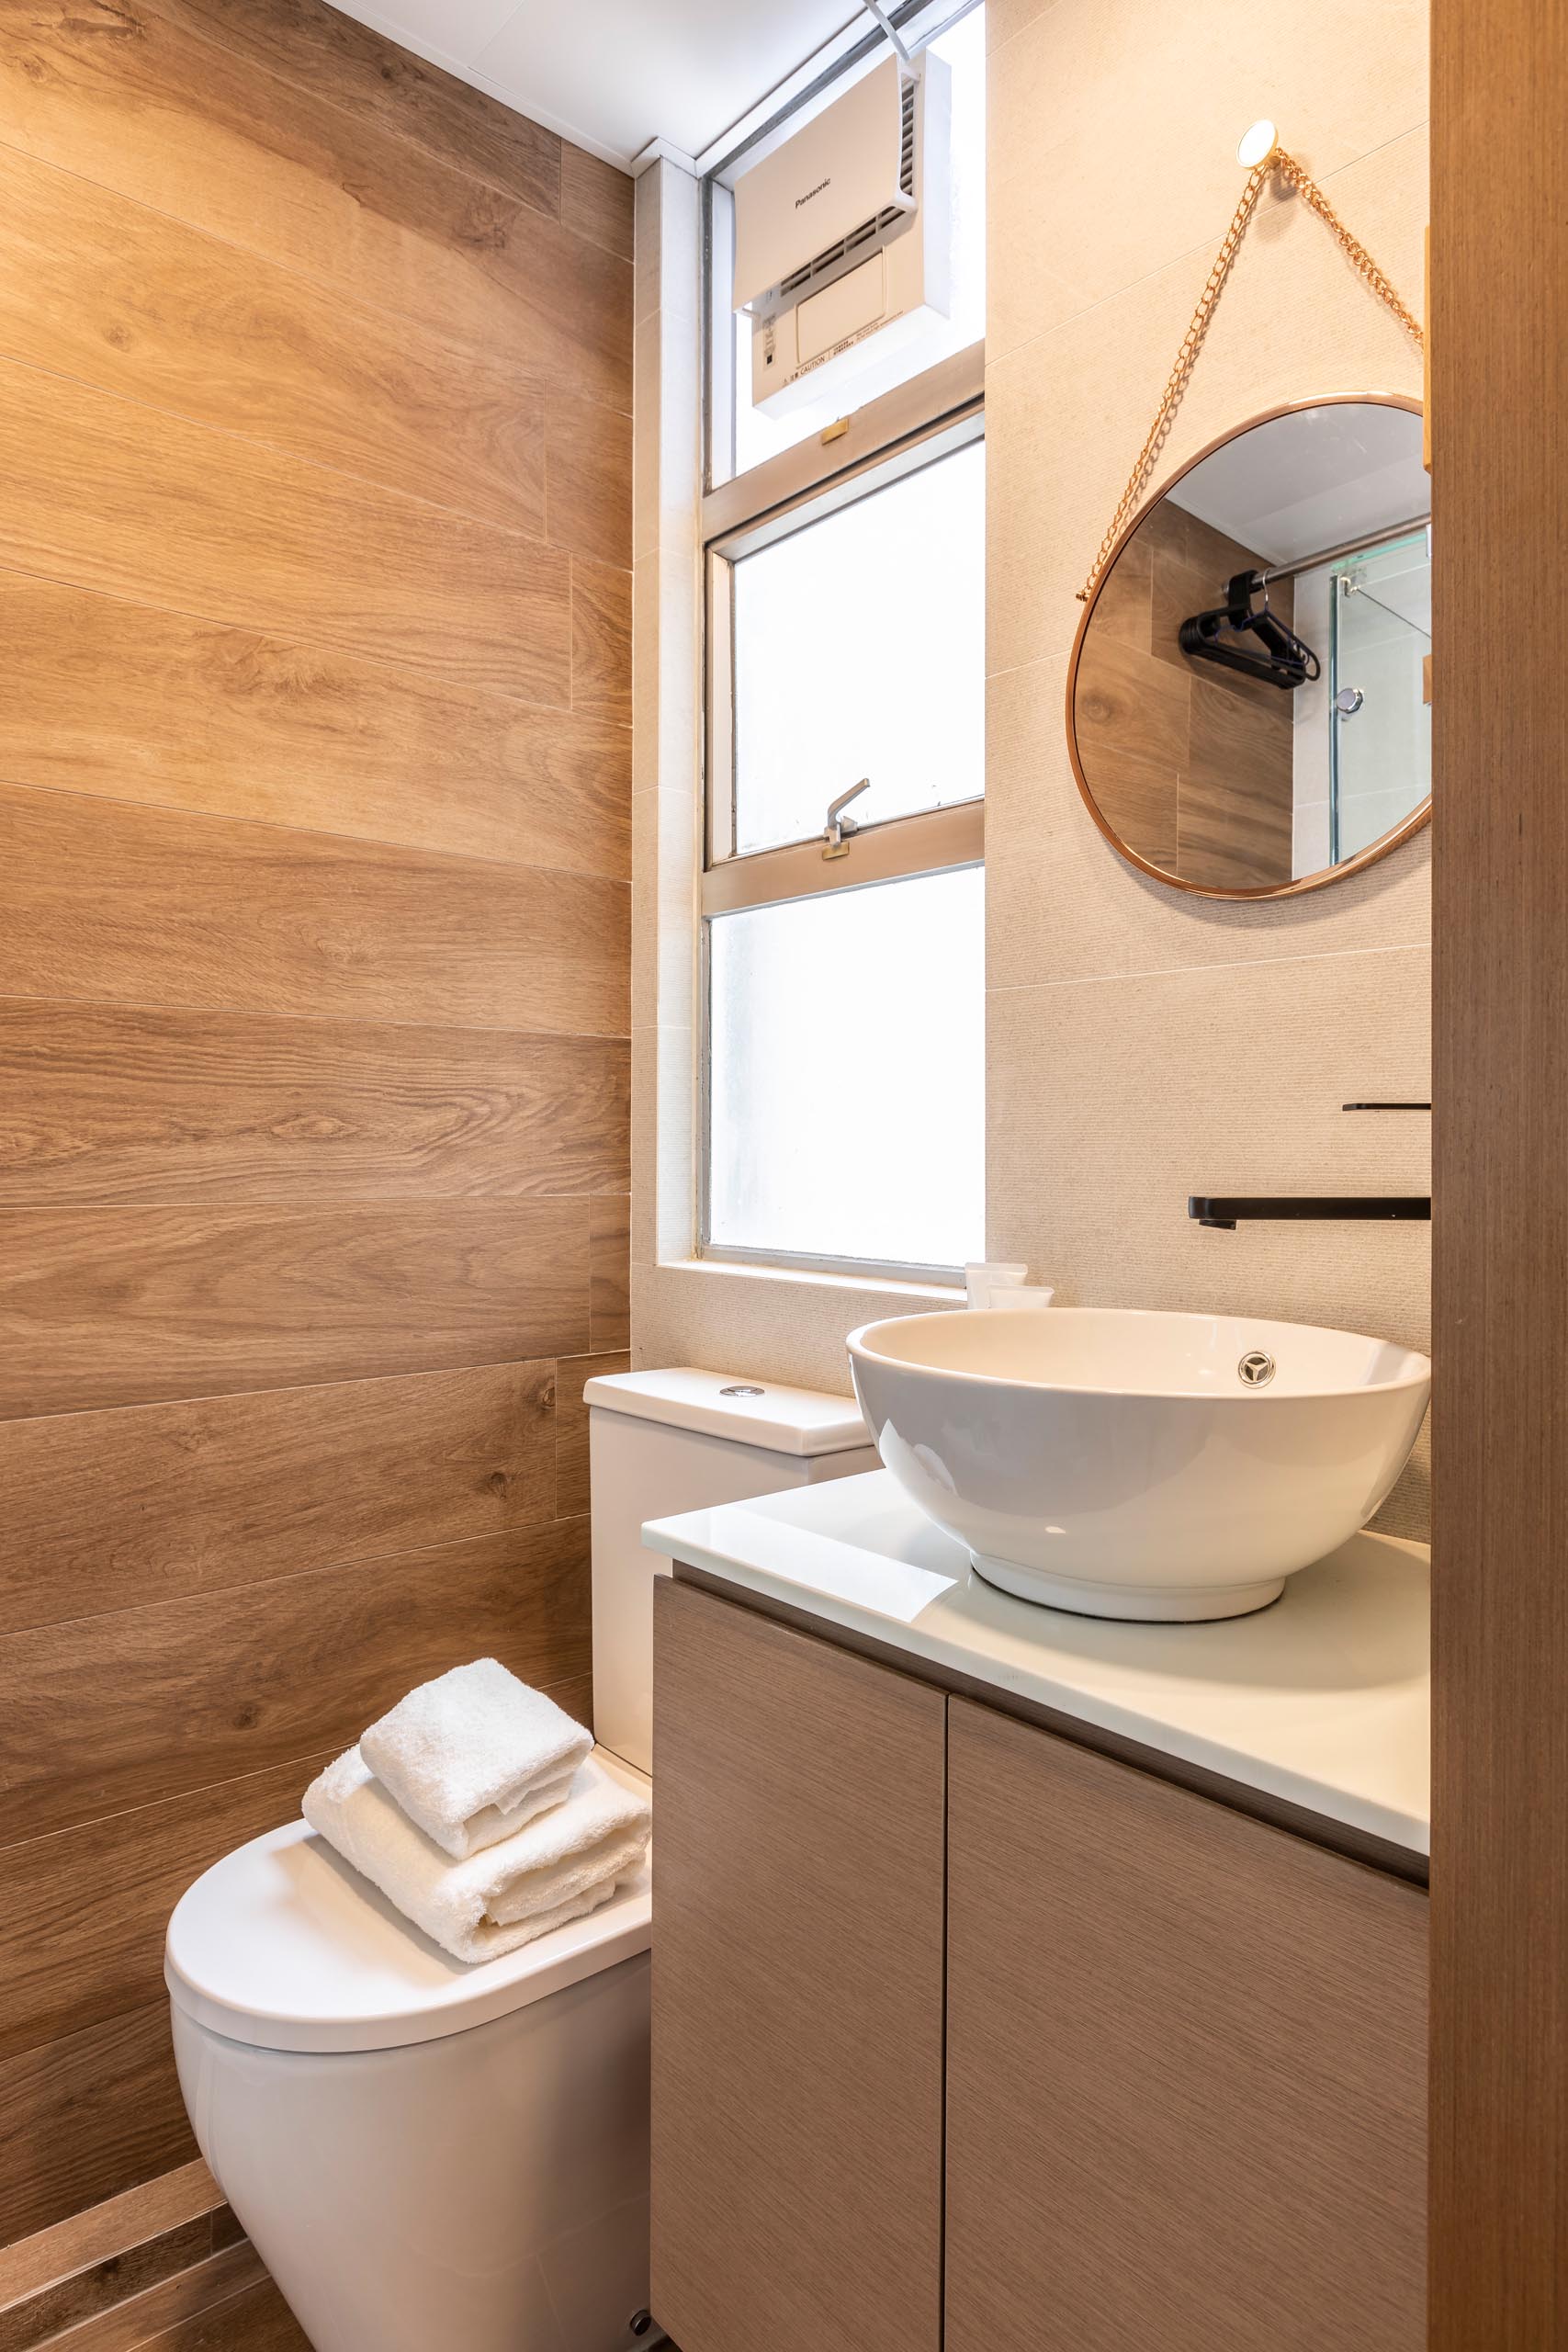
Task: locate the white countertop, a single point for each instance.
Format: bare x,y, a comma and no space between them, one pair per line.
1321,1699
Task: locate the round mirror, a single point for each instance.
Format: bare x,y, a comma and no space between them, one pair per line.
1248,700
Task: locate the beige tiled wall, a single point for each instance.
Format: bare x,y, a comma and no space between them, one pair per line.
1144,1044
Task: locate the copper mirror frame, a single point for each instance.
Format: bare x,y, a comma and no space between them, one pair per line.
1375,850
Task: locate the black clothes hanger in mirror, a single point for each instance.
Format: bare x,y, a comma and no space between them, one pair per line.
1242,635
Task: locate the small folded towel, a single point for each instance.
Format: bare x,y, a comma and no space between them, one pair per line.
474,1755
565,1862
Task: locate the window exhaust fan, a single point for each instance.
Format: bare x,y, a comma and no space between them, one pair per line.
843,234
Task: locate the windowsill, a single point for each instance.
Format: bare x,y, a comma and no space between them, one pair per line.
728,1268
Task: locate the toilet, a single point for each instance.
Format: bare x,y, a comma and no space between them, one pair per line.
427,2155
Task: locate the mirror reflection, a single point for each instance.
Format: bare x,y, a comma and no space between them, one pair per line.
1250,706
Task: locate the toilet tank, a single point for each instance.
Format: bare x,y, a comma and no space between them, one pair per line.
666,1442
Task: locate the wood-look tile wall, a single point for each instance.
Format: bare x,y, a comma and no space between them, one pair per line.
315,380
1192,765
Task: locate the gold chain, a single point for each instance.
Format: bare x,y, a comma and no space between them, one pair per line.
1307,188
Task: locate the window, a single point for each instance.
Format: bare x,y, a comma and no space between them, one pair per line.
847,1066
860,650
843,982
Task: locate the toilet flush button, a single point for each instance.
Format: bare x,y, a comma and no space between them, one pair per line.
741,1388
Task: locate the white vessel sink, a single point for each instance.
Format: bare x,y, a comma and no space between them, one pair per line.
1128,1464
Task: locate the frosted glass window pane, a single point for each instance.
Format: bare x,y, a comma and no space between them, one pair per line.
759,435
847,1087
860,650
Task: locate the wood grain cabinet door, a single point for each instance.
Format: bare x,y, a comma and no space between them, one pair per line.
1186,2069
798,1990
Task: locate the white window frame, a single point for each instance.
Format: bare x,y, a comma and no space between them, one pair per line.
917,423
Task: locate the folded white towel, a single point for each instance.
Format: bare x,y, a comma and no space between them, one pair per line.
565,1862
474,1755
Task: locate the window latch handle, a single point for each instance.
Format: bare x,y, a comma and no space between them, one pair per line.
836,828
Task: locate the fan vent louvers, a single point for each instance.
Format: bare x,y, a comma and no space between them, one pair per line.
882,220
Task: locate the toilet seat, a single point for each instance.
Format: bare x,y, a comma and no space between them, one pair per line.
282,1946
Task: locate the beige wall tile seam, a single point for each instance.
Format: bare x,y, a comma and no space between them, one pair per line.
1251,964
1036,661
1048,8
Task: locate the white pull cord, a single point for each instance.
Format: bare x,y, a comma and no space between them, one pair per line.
890,28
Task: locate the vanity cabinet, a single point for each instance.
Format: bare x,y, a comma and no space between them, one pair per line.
798,1990
1184,2051
1186,2068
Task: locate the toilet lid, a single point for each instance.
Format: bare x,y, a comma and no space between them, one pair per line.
283,1946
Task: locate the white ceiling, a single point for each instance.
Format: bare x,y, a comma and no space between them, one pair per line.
613,74
1312,480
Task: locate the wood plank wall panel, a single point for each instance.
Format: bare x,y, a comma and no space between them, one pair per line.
315,373
601,639
105,292
101,1105
609,1273
110,495
1499,328
596,200
571,1428
588,478
120,1306
138,906
110,1510
134,703
333,57
140,102
88,2115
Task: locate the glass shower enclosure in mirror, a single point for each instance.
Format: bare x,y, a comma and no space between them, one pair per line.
1380,743
1248,701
